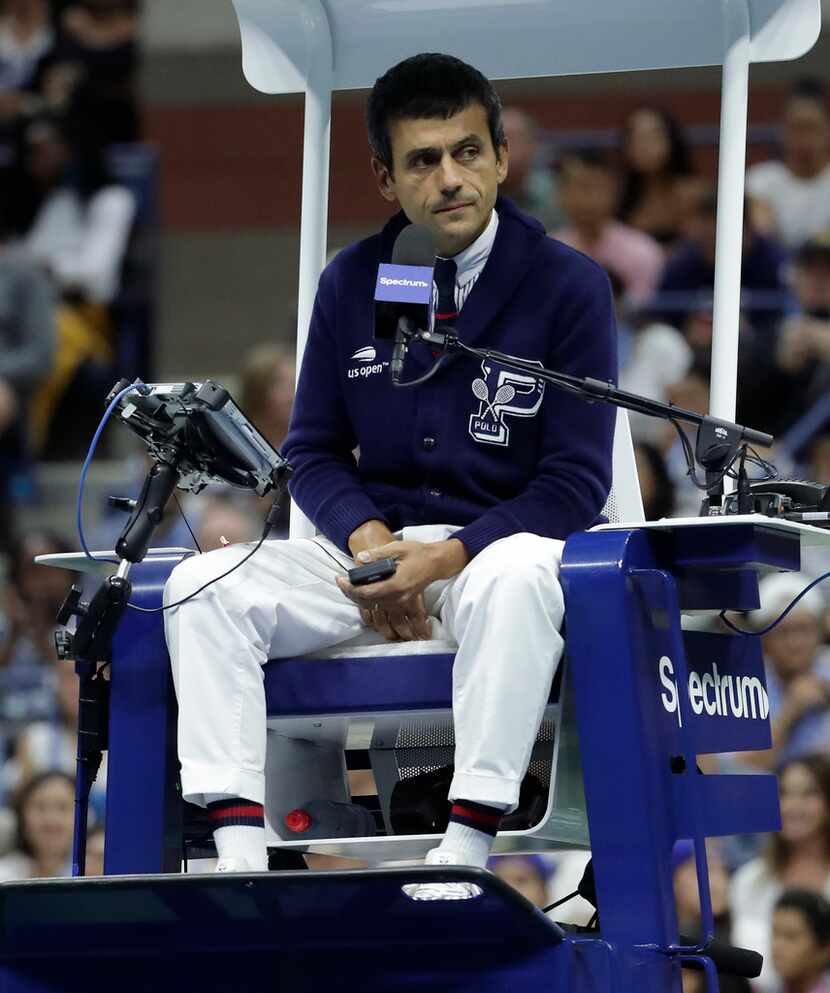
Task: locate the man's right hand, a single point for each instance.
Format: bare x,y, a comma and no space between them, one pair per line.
411,622
408,624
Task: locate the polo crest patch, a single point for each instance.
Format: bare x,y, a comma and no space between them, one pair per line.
502,393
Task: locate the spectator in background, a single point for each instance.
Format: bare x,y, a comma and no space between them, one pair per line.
531,184
80,235
685,300
95,60
45,816
798,856
589,193
51,746
791,198
266,395
656,484
82,226
27,344
814,562
802,357
691,392
653,356
95,851
26,39
528,874
687,902
801,942
36,592
224,522
659,182
266,392
32,596
818,458
690,269
797,670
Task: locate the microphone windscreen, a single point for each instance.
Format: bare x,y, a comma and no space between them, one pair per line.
404,286
729,959
415,245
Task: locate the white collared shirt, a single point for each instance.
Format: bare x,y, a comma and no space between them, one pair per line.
470,262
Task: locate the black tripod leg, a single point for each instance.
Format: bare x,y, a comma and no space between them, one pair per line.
92,728
86,771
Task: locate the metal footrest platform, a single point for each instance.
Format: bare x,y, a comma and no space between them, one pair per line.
297,931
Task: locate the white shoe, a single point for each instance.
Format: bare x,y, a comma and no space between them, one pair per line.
443,891
233,865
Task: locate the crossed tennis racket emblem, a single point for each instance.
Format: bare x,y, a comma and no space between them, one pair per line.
504,394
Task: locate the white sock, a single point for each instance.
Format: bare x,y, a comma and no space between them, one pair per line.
242,842
238,830
463,835
474,846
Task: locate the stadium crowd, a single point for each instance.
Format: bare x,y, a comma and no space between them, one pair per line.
642,209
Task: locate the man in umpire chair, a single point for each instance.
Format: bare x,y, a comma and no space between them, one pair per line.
471,482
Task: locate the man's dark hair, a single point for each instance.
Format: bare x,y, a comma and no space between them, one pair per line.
428,85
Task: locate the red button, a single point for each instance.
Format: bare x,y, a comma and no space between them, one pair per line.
298,821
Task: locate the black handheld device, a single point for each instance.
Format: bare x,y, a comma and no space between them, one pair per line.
373,572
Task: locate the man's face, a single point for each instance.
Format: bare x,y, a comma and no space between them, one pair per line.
445,175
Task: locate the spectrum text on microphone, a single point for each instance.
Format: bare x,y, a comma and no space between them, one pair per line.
386,281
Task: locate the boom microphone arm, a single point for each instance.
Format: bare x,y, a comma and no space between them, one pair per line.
718,441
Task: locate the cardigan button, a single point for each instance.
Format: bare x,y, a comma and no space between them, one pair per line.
429,444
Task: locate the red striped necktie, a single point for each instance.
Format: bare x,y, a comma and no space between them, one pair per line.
444,275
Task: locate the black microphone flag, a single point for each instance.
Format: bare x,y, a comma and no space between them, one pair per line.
404,285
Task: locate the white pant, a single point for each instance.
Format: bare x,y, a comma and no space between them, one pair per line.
504,611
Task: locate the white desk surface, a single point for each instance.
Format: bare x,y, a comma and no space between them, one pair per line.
810,536
78,562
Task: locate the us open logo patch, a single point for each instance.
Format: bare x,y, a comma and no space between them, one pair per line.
367,363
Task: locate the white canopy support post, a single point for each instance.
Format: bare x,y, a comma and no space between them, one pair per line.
316,154
730,214
315,191
287,47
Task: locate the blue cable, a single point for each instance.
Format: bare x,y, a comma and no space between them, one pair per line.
781,616
133,387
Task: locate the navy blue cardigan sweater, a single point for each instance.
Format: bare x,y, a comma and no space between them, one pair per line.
476,446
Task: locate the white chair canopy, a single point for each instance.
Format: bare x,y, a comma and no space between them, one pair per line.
509,38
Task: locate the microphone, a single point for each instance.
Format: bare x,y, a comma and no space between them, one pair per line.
403,292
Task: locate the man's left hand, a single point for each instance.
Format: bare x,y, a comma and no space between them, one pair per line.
418,565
